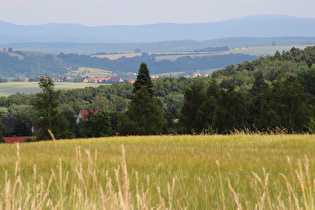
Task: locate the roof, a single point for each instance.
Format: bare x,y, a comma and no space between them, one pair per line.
116,79
131,80
85,113
99,79
16,139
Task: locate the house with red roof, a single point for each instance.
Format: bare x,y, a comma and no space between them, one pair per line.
83,114
97,80
116,80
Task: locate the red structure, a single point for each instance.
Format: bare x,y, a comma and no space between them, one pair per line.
16,139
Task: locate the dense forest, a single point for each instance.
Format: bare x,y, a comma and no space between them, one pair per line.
271,94
32,65
290,63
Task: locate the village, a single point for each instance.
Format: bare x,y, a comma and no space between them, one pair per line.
108,80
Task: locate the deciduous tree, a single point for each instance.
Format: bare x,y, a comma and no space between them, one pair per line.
50,118
284,106
192,117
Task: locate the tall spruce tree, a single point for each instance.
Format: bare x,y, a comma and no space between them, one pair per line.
143,79
144,116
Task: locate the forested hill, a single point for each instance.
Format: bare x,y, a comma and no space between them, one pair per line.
287,63
273,92
31,65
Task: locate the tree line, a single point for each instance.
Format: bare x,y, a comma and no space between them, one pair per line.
32,65
284,105
190,106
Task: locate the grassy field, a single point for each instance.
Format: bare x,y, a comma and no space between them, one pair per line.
166,172
9,88
89,72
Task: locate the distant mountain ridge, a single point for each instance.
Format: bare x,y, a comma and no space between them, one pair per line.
250,26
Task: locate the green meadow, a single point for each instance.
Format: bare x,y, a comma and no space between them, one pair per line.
166,172
9,88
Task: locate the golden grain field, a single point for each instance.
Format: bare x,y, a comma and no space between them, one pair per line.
166,172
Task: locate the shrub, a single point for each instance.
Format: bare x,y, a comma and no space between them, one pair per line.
28,140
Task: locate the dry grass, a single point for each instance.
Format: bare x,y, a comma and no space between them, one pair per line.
169,172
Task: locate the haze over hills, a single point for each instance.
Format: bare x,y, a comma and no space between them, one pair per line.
251,26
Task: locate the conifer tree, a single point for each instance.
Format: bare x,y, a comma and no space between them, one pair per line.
144,79
144,116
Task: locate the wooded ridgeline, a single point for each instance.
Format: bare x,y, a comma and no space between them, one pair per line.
276,92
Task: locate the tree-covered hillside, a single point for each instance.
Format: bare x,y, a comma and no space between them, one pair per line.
20,64
271,94
289,63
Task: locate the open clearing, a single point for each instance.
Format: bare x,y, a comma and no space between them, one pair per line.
9,88
89,72
194,172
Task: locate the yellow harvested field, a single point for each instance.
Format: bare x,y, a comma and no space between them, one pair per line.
89,72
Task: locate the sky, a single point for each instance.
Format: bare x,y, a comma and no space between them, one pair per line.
141,12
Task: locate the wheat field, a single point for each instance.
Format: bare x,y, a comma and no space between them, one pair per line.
160,172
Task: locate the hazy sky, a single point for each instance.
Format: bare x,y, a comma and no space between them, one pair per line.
138,12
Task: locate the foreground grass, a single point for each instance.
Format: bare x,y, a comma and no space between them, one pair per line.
195,172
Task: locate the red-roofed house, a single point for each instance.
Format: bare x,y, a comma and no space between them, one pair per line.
83,114
96,80
116,79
